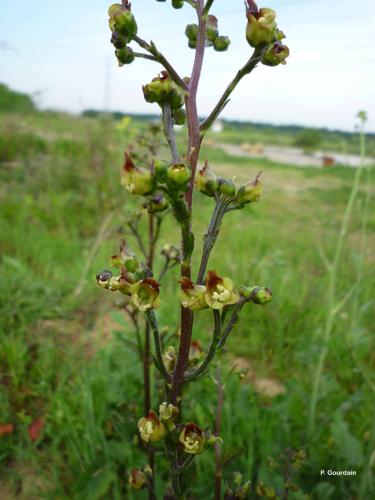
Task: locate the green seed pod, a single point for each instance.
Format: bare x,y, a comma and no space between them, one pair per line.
175,97
221,43
275,54
124,56
227,187
191,31
206,181
212,31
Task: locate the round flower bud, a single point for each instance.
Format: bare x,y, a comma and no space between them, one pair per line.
191,31
261,26
192,44
150,428
179,116
118,40
177,4
157,203
227,187
262,296
179,174
124,56
275,54
160,170
221,43
211,28
192,439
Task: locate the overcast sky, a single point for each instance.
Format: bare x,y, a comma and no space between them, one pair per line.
60,50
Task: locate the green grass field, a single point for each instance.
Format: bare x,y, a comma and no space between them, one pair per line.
64,354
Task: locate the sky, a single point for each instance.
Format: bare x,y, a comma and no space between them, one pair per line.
59,51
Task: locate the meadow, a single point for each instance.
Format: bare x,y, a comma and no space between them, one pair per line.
70,383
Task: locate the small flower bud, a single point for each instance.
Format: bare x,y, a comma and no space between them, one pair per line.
179,116
275,54
177,4
160,170
169,358
196,353
118,41
192,296
206,181
221,43
171,253
250,192
122,20
220,291
227,187
262,296
261,25
157,203
150,428
137,479
168,414
192,439
210,439
124,56
212,31
136,180
237,478
179,174
191,31
192,44
145,294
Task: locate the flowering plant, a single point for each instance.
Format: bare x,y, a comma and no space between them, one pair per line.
168,186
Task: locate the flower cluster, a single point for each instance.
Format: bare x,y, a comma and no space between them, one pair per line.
124,28
218,42
134,280
162,89
209,184
262,33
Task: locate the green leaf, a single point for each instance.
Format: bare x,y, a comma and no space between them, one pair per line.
348,446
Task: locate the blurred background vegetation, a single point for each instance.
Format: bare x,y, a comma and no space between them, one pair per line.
69,384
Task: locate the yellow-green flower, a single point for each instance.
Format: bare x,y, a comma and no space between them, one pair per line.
145,294
261,26
169,358
275,54
250,192
206,181
136,180
137,479
192,296
192,439
220,291
150,428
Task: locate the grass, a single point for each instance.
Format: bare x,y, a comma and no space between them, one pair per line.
64,356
